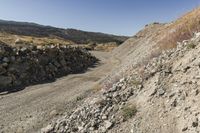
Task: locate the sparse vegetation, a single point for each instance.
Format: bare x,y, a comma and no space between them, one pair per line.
79,98
183,29
97,87
129,111
106,46
135,82
191,46
28,40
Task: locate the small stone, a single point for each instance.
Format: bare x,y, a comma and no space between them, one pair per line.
91,128
132,131
172,95
196,92
13,58
104,117
115,108
120,85
140,86
113,89
5,59
108,124
116,94
123,87
184,129
19,130
186,108
53,113
4,64
174,103
47,129
80,128
121,80
154,92
161,91
195,123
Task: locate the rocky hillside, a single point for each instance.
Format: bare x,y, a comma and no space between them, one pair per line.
161,96
20,67
151,41
157,88
76,36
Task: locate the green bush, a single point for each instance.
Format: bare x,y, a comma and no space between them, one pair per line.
129,111
135,82
191,46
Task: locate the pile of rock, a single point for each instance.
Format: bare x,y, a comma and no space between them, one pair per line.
100,113
29,65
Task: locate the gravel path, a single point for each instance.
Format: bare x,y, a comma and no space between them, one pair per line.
32,108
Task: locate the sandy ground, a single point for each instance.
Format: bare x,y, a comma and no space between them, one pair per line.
35,106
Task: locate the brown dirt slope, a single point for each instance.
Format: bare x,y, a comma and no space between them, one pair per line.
152,40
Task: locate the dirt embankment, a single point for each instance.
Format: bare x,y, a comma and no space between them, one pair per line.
163,97
161,92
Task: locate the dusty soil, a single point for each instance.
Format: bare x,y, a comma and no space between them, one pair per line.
35,106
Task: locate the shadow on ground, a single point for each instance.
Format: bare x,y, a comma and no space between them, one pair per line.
9,90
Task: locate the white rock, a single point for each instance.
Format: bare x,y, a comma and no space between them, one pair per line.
121,80
47,129
107,124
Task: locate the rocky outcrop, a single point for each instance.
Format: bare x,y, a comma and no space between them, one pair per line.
31,65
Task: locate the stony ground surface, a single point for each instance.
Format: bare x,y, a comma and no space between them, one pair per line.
32,108
162,96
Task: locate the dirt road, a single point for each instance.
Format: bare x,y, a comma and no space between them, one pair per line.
34,107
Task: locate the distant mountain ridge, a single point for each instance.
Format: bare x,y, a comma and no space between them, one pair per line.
77,36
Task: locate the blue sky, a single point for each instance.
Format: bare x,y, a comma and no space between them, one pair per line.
122,17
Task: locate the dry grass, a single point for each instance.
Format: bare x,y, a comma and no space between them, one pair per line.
44,40
18,39
97,87
135,82
106,47
167,36
180,30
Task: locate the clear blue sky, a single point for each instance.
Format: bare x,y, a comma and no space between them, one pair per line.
122,17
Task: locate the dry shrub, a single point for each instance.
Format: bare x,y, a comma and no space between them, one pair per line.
97,87
106,46
129,111
141,71
135,82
